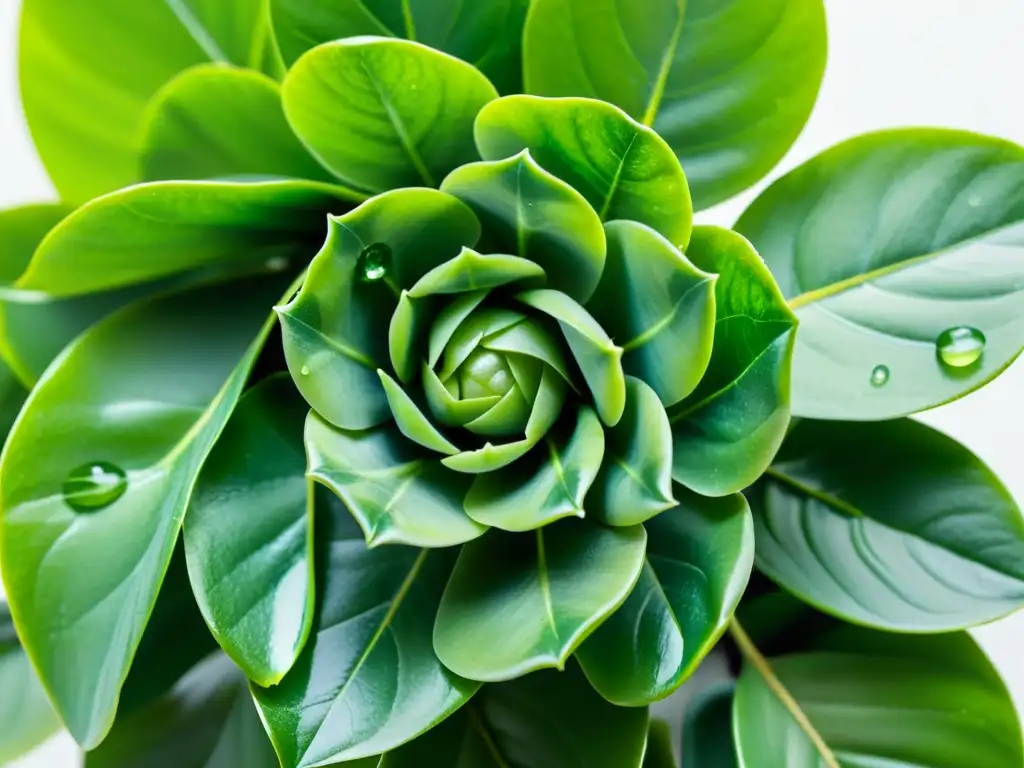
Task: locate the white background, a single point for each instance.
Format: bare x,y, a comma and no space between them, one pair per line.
955,63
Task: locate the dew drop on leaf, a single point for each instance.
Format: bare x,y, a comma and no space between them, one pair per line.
305,370
373,263
93,486
960,347
880,376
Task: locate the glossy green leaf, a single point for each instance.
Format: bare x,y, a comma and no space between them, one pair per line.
659,752
519,603
166,228
659,307
485,323
707,729
635,482
34,327
530,494
623,168
105,59
728,430
448,321
729,84
890,524
488,35
408,334
215,121
877,699
544,720
384,113
599,358
446,408
412,421
334,330
881,244
699,559
127,416
530,340
206,721
397,493
26,717
471,271
530,213
368,679
249,537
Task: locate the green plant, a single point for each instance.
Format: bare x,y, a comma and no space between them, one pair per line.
381,396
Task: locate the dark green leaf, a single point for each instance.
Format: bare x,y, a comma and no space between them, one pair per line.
727,431
875,699
530,213
397,493
659,307
26,717
215,121
368,679
707,729
699,558
206,721
165,228
883,243
544,720
385,114
87,71
249,537
890,524
519,603
530,494
728,83
659,746
334,330
635,482
488,35
119,428
623,168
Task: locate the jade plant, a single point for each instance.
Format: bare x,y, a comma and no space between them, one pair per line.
374,398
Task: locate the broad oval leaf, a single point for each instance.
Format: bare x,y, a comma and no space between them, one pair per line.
527,212
729,84
659,307
699,558
248,534
518,603
547,485
707,729
881,244
383,113
397,493
335,329
951,708
26,717
166,228
104,59
487,35
509,725
635,482
214,121
914,535
207,720
145,393
623,168
598,357
729,428
368,679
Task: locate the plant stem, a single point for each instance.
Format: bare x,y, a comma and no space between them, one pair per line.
754,656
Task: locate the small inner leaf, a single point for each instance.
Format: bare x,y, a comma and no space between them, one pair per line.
471,271
410,419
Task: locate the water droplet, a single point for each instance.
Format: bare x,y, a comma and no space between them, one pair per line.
974,201
373,263
277,264
305,370
93,486
961,346
880,376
